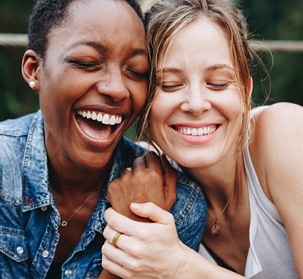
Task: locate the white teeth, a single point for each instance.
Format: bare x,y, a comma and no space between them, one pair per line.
194,132
99,117
105,119
197,132
112,120
118,119
94,116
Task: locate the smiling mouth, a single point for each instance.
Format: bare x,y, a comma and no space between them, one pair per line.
189,131
97,125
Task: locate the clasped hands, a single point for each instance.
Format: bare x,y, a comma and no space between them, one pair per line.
150,179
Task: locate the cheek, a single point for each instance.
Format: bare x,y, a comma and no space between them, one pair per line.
158,114
162,105
232,105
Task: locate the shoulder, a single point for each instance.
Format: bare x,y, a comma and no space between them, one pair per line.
16,127
277,126
288,114
276,147
13,135
13,139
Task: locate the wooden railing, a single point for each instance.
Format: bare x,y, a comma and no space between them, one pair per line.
20,40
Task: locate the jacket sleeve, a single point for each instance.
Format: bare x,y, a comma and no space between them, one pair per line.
189,211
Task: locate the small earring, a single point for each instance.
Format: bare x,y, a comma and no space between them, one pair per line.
32,84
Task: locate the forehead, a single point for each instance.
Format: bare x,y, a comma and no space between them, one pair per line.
109,21
201,40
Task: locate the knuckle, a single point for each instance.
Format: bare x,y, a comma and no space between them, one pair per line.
112,222
171,218
155,177
106,232
105,247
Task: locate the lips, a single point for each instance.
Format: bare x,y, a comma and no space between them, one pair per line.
97,125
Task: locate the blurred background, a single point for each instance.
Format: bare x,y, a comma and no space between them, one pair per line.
277,22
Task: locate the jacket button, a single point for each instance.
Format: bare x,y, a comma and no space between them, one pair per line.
20,250
68,272
45,254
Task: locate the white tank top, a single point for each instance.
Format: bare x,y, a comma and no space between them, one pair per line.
269,255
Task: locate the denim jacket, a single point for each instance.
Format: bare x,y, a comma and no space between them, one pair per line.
29,218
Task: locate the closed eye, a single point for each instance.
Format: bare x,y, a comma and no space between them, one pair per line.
89,66
138,75
170,87
218,86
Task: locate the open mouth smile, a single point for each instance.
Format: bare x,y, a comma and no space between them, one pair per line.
104,118
190,131
97,125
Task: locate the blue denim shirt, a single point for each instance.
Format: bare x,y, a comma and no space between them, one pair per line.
29,218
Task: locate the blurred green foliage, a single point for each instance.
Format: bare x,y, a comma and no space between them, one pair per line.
277,20
269,19
16,97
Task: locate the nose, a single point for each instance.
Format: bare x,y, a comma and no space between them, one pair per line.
196,100
113,84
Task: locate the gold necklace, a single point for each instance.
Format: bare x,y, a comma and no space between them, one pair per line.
216,229
64,223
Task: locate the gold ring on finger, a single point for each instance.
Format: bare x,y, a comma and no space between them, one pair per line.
115,239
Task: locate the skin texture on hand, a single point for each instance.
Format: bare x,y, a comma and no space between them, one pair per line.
151,180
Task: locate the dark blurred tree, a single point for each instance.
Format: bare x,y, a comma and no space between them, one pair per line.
16,98
278,20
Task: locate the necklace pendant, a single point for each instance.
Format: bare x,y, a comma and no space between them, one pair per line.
215,229
63,223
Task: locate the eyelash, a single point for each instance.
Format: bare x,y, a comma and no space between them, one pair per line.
138,75
169,88
218,85
213,86
92,66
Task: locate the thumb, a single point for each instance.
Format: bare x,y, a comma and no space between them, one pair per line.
153,212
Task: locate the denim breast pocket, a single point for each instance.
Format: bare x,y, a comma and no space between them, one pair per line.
13,252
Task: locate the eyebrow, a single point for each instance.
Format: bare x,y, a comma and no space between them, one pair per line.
169,70
219,66
208,69
103,49
92,44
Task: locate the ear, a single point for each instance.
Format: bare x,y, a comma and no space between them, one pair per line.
31,64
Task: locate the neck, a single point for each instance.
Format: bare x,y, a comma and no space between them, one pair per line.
218,182
82,182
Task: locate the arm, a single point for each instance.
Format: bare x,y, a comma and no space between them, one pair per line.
150,250
277,154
